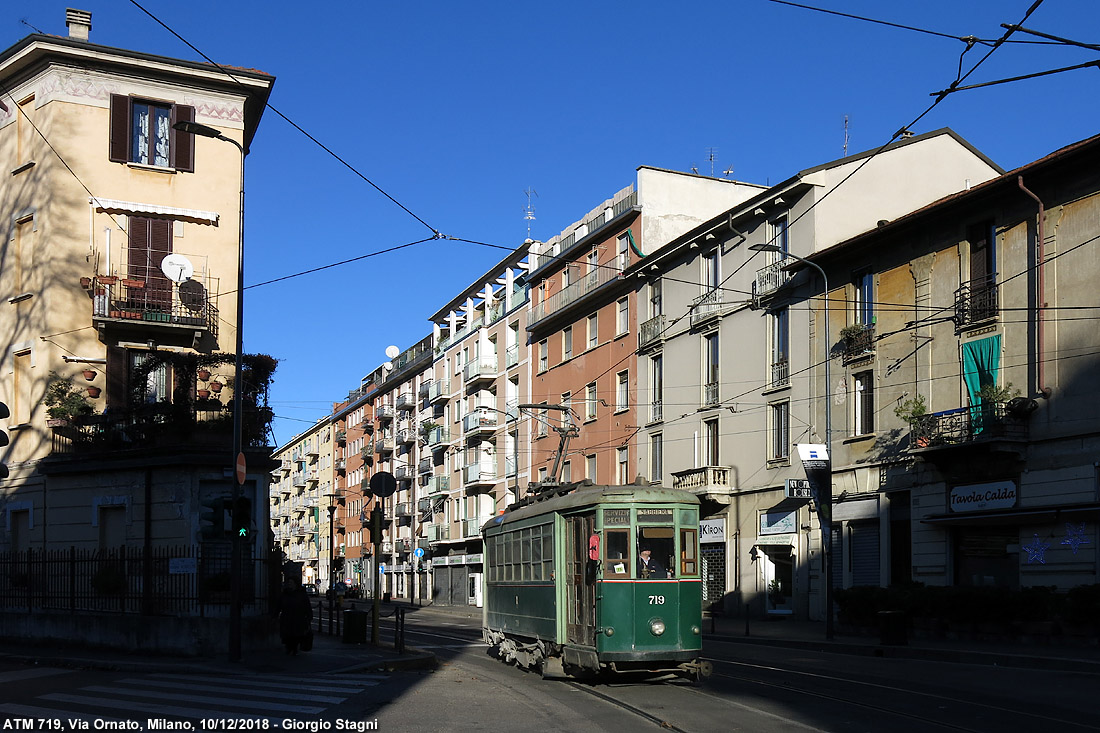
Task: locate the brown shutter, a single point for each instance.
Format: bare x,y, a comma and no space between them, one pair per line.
183,143
158,286
119,142
138,247
118,377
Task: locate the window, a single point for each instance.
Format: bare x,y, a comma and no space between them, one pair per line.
780,338
27,134
864,305
593,335
710,443
779,238
567,343
657,387
621,457
710,369
156,381
590,467
622,391
542,424
592,258
656,457
617,558
149,241
624,317
567,472
590,401
141,132
655,299
543,355
688,545
864,403
23,256
711,278
780,431
21,388
624,251
567,415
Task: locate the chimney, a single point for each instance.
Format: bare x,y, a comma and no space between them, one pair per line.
79,23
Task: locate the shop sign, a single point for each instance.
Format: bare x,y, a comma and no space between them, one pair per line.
776,539
982,497
712,530
778,522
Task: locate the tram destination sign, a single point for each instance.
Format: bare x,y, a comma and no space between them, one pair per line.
798,488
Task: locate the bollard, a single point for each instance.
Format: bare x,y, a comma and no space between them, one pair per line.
399,631
746,619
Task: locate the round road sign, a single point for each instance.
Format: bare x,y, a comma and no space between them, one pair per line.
383,484
240,469
419,552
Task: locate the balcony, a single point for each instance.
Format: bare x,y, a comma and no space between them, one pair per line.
994,425
656,411
511,409
298,479
406,401
480,369
403,473
976,302
439,532
403,509
439,438
575,293
384,412
146,298
425,465
771,278
472,527
341,465
858,342
405,436
479,422
479,475
313,475
707,482
709,306
710,394
341,437
438,484
780,374
422,393
652,332
382,446
511,356
439,390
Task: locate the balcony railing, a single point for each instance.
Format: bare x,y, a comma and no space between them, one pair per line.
708,306
771,278
384,412
438,532
780,373
425,465
575,292
146,295
511,356
859,341
406,401
976,301
479,421
406,436
439,437
656,411
479,473
651,332
700,478
341,437
383,445
965,425
710,393
438,390
484,367
341,464
472,527
438,484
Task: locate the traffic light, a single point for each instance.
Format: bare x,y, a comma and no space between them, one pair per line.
212,522
337,565
376,525
5,413
242,518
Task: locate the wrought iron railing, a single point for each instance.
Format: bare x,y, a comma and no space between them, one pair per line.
652,331
859,341
976,301
772,277
148,296
989,420
781,373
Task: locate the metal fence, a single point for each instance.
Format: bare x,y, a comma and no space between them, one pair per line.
168,581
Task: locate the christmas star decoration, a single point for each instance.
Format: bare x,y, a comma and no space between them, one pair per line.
1075,536
1035,550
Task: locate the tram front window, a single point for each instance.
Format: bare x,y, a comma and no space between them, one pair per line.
656,553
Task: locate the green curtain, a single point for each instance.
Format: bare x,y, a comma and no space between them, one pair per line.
981,361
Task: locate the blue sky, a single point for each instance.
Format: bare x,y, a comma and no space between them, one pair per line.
454,109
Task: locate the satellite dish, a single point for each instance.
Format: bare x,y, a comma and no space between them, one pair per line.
177,268
192,294
392,352
388,366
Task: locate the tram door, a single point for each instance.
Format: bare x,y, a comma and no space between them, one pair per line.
580,595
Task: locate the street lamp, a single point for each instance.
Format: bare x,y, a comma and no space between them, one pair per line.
824,502
237,459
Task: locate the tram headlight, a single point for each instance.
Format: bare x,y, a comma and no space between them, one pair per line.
657,627
695,630
609,631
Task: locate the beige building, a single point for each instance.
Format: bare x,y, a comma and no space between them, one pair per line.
120,239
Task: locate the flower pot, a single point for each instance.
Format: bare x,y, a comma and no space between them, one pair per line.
107,279
89,374
93,392
85,282
216,386
204,374
203,394
131,283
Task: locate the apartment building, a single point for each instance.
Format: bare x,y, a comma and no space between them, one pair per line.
583,318
301,489
351,503
477,458
730,343
117,316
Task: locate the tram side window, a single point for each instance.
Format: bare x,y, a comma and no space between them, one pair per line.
547,552
525,553
616,557
659,541
688,560
536,554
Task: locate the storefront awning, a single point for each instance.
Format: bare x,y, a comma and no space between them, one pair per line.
1021,515
131,207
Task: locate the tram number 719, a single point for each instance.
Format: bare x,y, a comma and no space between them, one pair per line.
656,600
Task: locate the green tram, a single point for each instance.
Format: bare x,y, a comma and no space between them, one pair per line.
566,593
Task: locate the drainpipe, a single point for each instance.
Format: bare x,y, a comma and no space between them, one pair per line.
1041,300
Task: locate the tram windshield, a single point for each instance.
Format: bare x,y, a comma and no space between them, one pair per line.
656,553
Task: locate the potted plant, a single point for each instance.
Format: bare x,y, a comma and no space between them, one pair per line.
775,593
216,386
89,374
133,283
85,282
910,412
93,392
203,394
203,374
107,279
64,402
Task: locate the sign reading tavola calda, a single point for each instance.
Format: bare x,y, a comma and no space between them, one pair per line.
980,497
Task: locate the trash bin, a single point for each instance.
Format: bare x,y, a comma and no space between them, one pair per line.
355,627
386,596
891,628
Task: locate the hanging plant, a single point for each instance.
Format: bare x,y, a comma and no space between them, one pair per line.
203,374
89,374
216,386
63,401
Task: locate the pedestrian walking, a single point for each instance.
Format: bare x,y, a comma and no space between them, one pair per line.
295,615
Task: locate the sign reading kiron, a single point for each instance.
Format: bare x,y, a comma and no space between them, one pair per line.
981,497
712,530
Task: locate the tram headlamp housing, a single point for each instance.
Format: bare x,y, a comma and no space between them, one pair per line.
657,627
609,631
695,630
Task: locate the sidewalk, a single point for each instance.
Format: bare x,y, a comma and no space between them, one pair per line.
1069,655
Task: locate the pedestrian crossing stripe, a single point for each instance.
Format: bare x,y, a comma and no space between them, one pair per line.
26,674
233,703
158,709
272,693
30,711
311,684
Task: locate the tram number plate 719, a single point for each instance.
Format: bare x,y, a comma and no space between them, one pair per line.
656,600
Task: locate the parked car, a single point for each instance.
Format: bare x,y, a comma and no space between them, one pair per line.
311,588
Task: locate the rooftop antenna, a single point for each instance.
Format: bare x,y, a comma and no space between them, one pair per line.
728,172
712,153
845,136
529,212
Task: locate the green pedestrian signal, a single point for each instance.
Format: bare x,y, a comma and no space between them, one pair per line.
242,518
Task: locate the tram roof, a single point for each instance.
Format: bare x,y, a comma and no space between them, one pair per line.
590,495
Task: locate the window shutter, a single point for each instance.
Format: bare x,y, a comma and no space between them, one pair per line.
118,372
183,143
138,247
119,140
